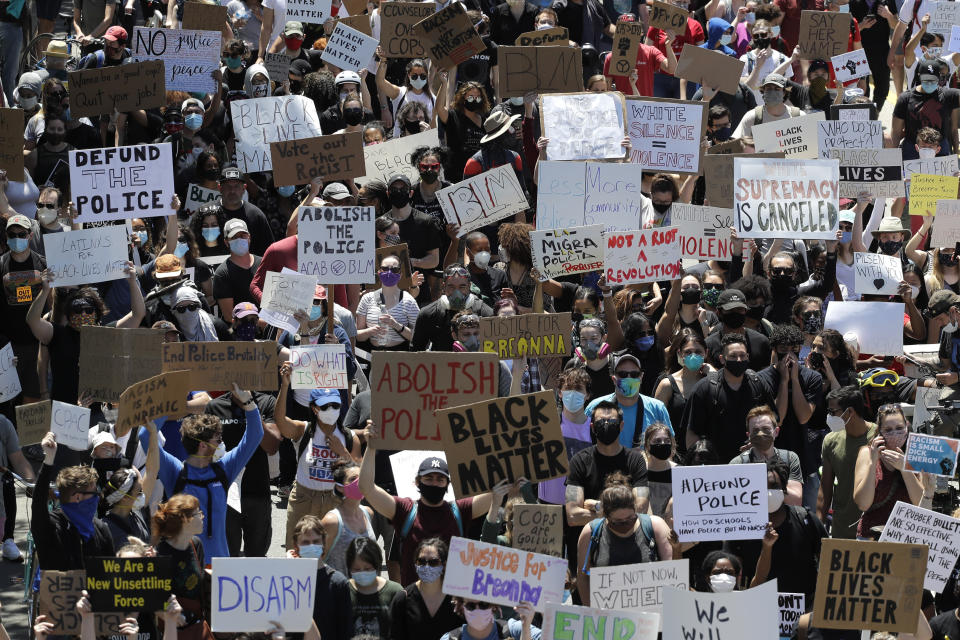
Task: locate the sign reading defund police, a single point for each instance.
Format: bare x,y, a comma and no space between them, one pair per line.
720,502
122,182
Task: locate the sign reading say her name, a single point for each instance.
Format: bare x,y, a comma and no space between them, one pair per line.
538,528
583,126
794,137
720,502
932,454
791,608
848,134
251,594
122,182
397,37
189,57
348,49
9,379
58,596
946,226
528,335
704,231
319,366
86,255
333,157
450,36
739,614
483,199
336,244
645,255
309,11
877,325
914,525
126,87
665,134
875,273
876,171
129,584
259,121
539,69
570,622
637,586
851,65
560,252
823,34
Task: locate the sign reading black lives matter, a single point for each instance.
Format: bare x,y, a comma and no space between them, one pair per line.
336,244
122,182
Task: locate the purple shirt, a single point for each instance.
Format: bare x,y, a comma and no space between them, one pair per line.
576,437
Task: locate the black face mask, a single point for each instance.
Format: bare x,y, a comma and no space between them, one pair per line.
209,173
52,139
661,451
473,106
736,368
659,207
690,296
399,199
296,86
891,247
431,493
429,177
606,431
353,116
761,43
411,127
756,312
947,260
733,320
781,282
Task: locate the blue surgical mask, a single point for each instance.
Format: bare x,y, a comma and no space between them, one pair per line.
726,39
693,361
316,312
210,233
286,191
364,578
573,400
193,121
66,115
142,235
310,550
516,101
18,244
644,343
240,246
751,17
774,32
181,250
846,237
929,87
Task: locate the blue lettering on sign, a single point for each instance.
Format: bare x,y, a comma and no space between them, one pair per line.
283,593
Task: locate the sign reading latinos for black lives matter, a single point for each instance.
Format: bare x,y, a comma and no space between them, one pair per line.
86,255
561,252
259,121
645,255
336,244
122,182
786,198
941,534
190,57
720,502
482,199
665,134
876,171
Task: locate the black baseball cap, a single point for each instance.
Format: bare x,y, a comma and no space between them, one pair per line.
433,465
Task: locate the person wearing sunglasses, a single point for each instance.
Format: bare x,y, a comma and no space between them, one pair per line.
429,162
482,622
194,322
415,88
732,310
462,114
387,316
422,611
49,205
434,324
639,410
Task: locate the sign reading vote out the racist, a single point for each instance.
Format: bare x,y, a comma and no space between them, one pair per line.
300,161
876,171
86,255
933,454
570,622
644,255
561,252
129,584
583,126
336,244
721,502
941,534
665,134
637,586
482,199
538,528
528,335
122,182
875,273
503,439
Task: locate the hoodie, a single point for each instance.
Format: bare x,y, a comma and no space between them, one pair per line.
715,29
253,70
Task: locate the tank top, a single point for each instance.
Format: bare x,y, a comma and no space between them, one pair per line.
889,488
661,489
315,466
614,551
337,555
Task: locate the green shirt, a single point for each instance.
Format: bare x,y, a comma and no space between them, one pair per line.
840,450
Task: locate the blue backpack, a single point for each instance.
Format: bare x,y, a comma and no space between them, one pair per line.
408,523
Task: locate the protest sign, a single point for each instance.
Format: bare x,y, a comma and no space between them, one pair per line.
740,614
57,600
914,525
259,121
876,171
878,327
954,43
283,295
539,69
938,166
501,575
337,244
933,454
33,422
721,502
86,255
110,358
359,23
481,442
383,161
786,198
349,49
560,252
875,273
626,43
333,157
403,255
851,65
894,572
823,34
449,36
483,199
561,195
854,112
122,182
204,17
9,379
926,190
319,366
710,68
397,38
190,58
718,176
926,397
611,196
538,528
583,126
795,137
665,134
946,226
570,622
791,608
645,255
129,584
943,19
11,141
164,394
125,88
309,11
250,594
704,231
198,196
553,37
666,16
405,465
532,335
848,134
637,586
278,66
216,366
71,425
407,388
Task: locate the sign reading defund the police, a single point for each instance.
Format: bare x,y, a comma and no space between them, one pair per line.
720,502
122,182
336,244
784,198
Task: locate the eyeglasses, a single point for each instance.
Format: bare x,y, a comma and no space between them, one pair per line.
433,562
434,166
475,99
470,606
195,514
193,306
459,271
392,269
14,234
418,76
328,406
44,205
628,374
709,286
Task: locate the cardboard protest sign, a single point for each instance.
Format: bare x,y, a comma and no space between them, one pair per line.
823,34
58,596
876,171
851,65
878,327
359,23
553,37
110,358
665,134
560,194
637,586
933,454
938,166
710,68
87,255
941,533
126,88
407,388
204,17
668,17
718,176
795,137
449,36
11,141
309,11
626,43
334,157
397,37
9,379
161,395
792,606
402,254
720,502
483,199
538,528
190,57
283,295
349,49
875,273
249,594
539,69
33,422
943,19
492,573
405,465
926,190
946,226
704,231
216,366
739,614
480,442
926,397
786,198
278,66
259,121
645,255
319,366
71,425
559,252
198,196
530,335
337,244
570,622
583,126
129,584
383,161
894,573
119,183
848,134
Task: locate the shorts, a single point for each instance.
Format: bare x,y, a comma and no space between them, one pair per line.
48,9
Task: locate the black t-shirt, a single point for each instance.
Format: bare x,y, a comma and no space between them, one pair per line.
432,208
799,96
589,468
463,139
231,281
792,433
64,350
601,384
946,625
261,235
918,110
256,477
83,136
422,233
758,347
489,282
505,29
21,284
477,68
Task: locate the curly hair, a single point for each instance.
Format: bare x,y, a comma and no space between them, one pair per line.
319,87
411,106
514,237
442,153
461,96
92,296
196,224
199,428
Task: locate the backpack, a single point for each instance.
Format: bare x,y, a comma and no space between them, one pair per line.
219,475
311,431
596,529
408,523
758,113
753,380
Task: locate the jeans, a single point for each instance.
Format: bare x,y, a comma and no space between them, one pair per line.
11,44
811,487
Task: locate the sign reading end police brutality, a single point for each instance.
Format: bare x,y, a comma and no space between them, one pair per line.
720,502
336,244
122,182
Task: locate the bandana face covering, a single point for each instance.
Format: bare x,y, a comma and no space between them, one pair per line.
81,515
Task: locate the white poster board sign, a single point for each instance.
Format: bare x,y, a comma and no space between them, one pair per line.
875,273
198,196
795,137
876,171
877,325
643,255
612,196
119,183
259,121
910,524
637,586
561,194
936,166
851,65
348,49
946,226
311,11
739,614
249,594
792,606
87,255
559,252
720,502
583,126
405,465
71,425
337,245
665,135
385,160
570,622
319,366
189,57
944,19
9,378
953,45
283,295
483,199
848,134
704,231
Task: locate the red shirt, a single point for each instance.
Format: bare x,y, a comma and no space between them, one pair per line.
693,34
283,253
649,60
431,522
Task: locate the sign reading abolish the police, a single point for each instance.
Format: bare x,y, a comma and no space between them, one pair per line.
529,335
336,244
129,584
570,622
720,502
503,439
786,198
122,182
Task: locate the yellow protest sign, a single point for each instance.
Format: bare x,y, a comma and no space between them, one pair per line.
927,189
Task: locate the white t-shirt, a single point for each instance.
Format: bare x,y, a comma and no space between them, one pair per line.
774,61
745,128
906,11
315,466
279,18
409,96
912,69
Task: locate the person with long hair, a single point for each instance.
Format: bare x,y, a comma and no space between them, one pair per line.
462,116
659,449
683,309
686,366
416,88
422,611
640,340
516,261
387,316
830,357
429,162
370,594
127,492
207,224
348,521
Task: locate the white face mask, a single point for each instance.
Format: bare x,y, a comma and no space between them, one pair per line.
220,452
543,26
722,583
140,501
328,416
482,259
950,328
774,499
28,103
46,216
932,53
914,291
836,423
259,90
926,153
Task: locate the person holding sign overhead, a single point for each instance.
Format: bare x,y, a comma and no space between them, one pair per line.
649,61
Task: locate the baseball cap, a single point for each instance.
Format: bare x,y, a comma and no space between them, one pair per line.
192,102
433,464
942,300
731,299
398,177
231,173
19,220
336,191
847,215
233,227
293,28
321,397
627,358
244,309
774,78
167,266
928,70
116,34
166,326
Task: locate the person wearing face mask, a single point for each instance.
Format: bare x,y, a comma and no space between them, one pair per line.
466,337
771,109
346,83
429,162
943,263
422,611
640,340
125,496
434,324
298,69
890,235
332,607
412,117
195,323
853,239
932,52
926,105
415,88
944,312
48,161
351,113
234,205
732,310
510,19
348,521
663,193
463,115
756,290
231,280
814,94
487,280
421,232
48,216
386,317
763,60
686,366
660,449
720,572
27,93
207,227
234,67
594,355
256,82
782,274
638,411
762,429
808,317
370,594
483,623
719,37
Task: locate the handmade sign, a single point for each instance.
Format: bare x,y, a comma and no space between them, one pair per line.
561,195
190,58
407,388
718,176
560,252
943,19
876,171
86,255
403,255
933,454
583,126
926,190
848,134
259,121
637,586
795,137
480,441
397,38
626,43
530,335
349,49
894,572
198,196
359,22
9,379
124,88
720,502
570,622
129,584
538,528
11,141
878,327
710,68
786,198
383,161
646,255
857,112
704,231
337,244
405,465
875,273
823,34
539,69
319,366
791,608
201,16
309,11
501,575
668,17
71,425
162,395
553,37
483,199
278,66
58,596
449,36
938,166
251,594
926,397
110,358
941,533
946,226
665,134
739,614
33,422
119,183
283,295
851,65
953,45
216,366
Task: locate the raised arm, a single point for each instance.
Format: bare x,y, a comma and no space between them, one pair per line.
41,328
379,499
289,428
138,310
